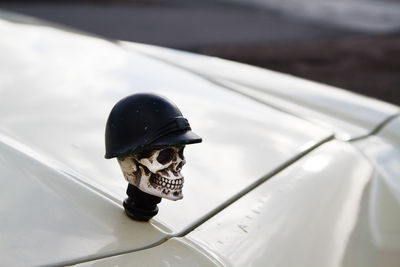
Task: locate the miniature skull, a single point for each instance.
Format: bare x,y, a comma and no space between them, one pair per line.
156,172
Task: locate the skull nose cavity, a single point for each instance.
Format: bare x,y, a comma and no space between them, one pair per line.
180,152
180,165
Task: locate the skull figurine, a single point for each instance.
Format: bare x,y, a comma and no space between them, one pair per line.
156,172
147,134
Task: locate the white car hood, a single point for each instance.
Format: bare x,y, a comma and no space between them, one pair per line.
49,218
57,89
350,116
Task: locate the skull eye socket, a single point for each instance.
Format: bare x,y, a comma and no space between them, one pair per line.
166,156
145,154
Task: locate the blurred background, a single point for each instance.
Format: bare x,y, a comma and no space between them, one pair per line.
353,44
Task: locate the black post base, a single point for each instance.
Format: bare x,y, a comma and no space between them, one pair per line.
139,205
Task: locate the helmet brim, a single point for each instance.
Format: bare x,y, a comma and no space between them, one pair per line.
173,139
178,138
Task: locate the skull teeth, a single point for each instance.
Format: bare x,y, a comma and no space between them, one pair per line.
170,184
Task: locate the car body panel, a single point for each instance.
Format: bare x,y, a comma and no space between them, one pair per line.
347,114
267,185
303,216
375,240
243,140
383,149
174,252
48,218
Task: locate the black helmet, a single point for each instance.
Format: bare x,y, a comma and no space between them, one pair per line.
143,121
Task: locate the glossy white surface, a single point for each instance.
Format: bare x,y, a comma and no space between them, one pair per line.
384,151
48,218
347,114
175,252
301,217
57,89
376,238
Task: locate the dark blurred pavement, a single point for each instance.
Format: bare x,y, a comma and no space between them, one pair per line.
366,65
358,60
177,24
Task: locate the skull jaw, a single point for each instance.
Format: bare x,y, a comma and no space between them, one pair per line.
163,193
147,185
143,182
